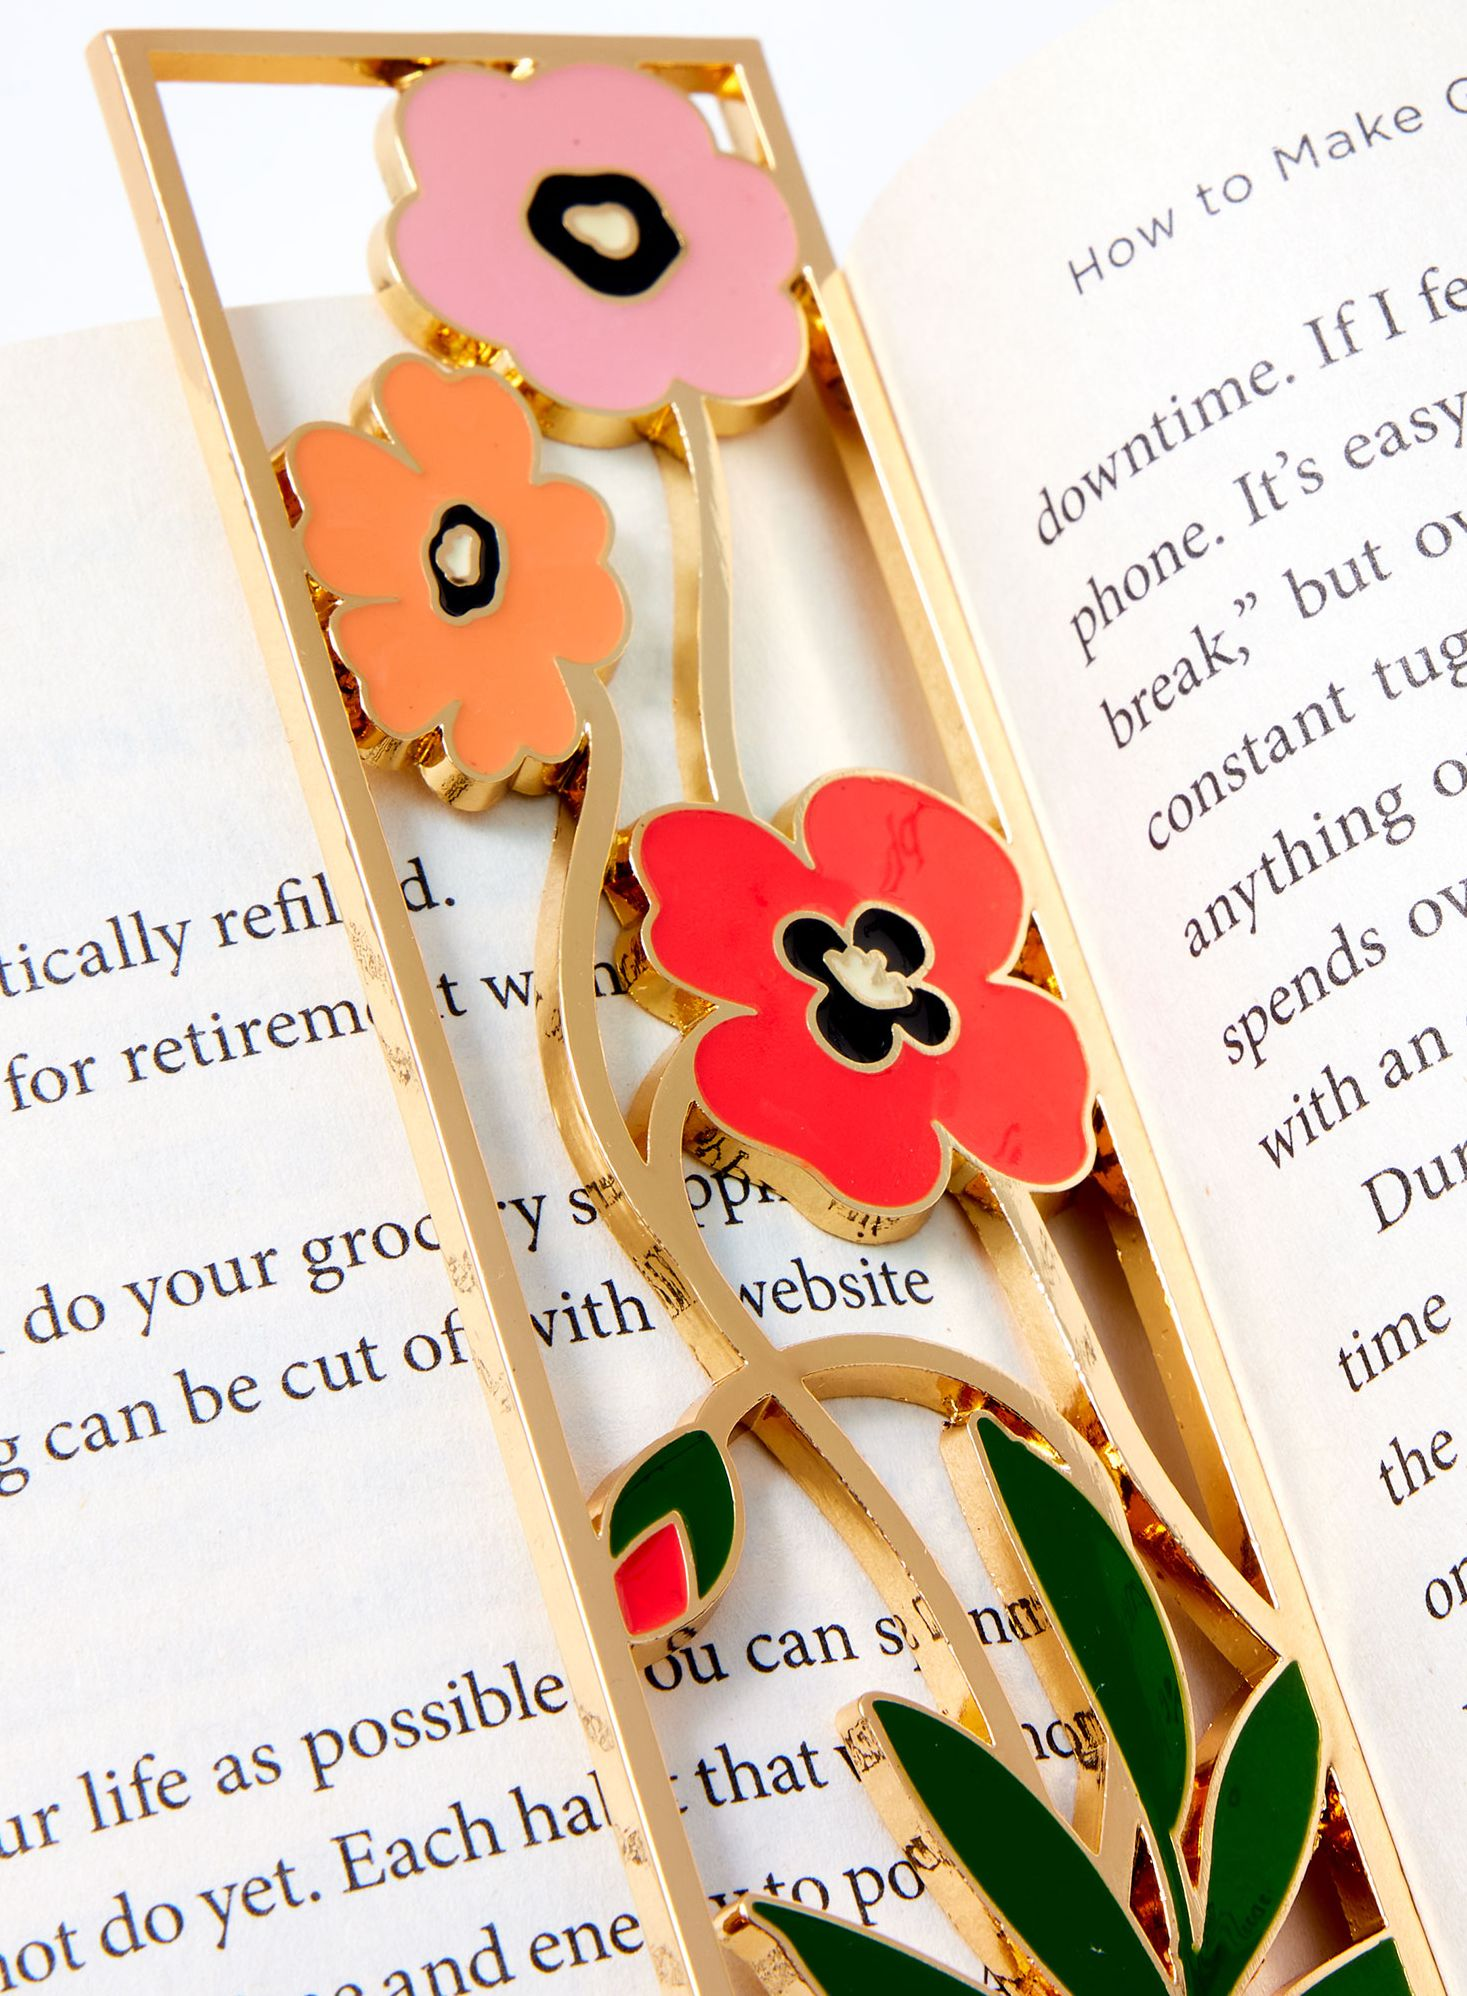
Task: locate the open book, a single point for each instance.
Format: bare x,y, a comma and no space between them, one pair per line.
1166,377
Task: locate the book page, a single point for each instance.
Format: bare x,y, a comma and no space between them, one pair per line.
1176,325
283,1708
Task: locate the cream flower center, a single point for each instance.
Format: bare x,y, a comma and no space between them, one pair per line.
606,230
870,998
461,555
868,978
605,226
465,562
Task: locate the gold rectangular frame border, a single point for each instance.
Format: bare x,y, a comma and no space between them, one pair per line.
128,69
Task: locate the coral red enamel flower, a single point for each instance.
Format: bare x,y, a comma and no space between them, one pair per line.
584,222
466,578
862,1023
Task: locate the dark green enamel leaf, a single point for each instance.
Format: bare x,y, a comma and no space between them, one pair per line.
1374,1970
841,1960
1038,1875
687,1474
1262,1818
1106,1615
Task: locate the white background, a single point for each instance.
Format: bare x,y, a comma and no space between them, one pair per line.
862,85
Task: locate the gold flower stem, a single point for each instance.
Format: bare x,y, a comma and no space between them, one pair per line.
709,767
812,1446
1238,1619
645,1203
702,677
647,1210
566,940
572,1051
801,1434
757,1386
1034,1281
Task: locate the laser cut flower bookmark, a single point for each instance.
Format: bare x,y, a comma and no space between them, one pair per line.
866,996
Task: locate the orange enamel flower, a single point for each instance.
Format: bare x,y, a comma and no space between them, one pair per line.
465,579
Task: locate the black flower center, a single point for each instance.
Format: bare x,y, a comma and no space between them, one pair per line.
868,974
466,561
607,229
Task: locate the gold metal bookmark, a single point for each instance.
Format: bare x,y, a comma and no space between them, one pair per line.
879,1004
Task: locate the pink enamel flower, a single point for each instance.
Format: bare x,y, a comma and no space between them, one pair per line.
584,223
